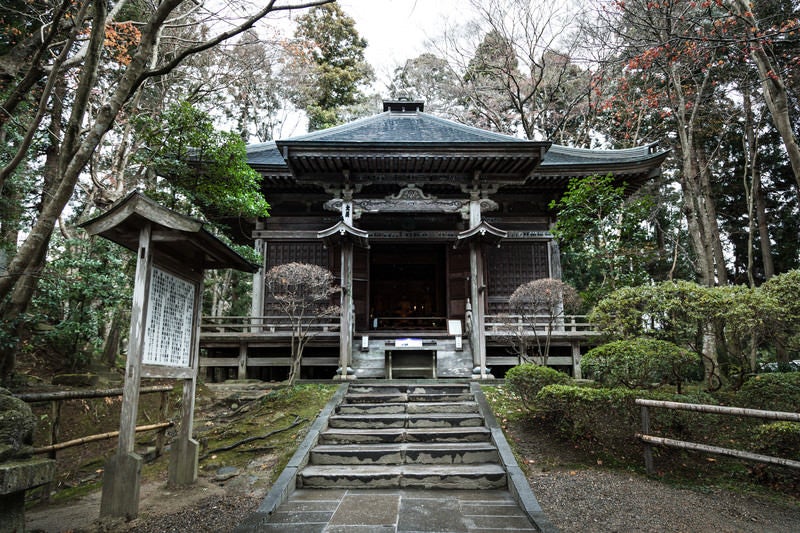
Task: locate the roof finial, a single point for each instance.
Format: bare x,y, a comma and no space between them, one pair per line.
403,104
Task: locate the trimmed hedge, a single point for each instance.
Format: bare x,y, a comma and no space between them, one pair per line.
779,439
609,417
526,380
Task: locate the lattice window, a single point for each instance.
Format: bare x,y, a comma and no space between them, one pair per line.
313,253
280,253
513,264
168,332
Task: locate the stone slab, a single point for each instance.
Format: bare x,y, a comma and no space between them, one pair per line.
367,510
25,474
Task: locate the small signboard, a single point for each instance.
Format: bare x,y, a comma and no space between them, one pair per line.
408,343
168,333
454,327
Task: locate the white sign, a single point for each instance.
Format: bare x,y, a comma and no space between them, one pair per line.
168,332
408,343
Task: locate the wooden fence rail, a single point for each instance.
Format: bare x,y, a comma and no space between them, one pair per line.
56,399
648,440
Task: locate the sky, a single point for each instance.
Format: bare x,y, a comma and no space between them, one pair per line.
396,30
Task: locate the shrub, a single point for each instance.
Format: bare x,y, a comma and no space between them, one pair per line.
609,417
777,391
779,439
640,363
526,380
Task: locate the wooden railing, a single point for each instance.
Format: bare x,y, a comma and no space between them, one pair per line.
566,325
236,326
495,325
649,440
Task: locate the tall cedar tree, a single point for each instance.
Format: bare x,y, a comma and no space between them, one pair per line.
331,55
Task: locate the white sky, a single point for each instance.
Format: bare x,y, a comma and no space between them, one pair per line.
396,30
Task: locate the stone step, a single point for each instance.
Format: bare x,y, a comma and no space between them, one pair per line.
403,397
411,408
366,436
467,477
404,453
418,388
404,420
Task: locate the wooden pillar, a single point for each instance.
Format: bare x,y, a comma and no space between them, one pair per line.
186,450
475,337
576,360
257,303
123,471
477,290
241,367
347,312
554,259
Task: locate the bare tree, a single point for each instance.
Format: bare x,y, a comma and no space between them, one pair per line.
518,68
777,97
303,293
540,304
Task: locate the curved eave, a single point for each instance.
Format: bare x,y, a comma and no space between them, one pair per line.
633,166
483,232
175,237
344,231
310,160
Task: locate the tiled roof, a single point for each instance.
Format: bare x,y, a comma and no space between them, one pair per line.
264,154
559,155
418,129
413,127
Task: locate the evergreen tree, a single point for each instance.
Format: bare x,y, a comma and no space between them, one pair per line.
329,66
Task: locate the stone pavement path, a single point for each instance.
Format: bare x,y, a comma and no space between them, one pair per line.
397,510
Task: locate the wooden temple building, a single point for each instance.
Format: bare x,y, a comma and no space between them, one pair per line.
429,225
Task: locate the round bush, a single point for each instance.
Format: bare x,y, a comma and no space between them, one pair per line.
776,391
639,363
779,439
526,380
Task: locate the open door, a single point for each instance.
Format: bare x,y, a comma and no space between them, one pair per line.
407,287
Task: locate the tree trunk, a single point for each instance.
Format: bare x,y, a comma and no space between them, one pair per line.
111,345
710,213
763,229
774,89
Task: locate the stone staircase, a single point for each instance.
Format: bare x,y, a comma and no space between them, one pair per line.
405,436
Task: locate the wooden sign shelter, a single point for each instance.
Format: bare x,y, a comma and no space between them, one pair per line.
172,253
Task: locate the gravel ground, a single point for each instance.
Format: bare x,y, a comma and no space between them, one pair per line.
597,500
577,497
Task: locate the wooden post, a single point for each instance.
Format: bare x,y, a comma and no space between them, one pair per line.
648,450
55,429
241,369
123,471
347,311
480,311
163,413
186,450
257,303
473,296
477,289
576,360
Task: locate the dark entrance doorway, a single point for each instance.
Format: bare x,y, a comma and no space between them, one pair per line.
407,286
